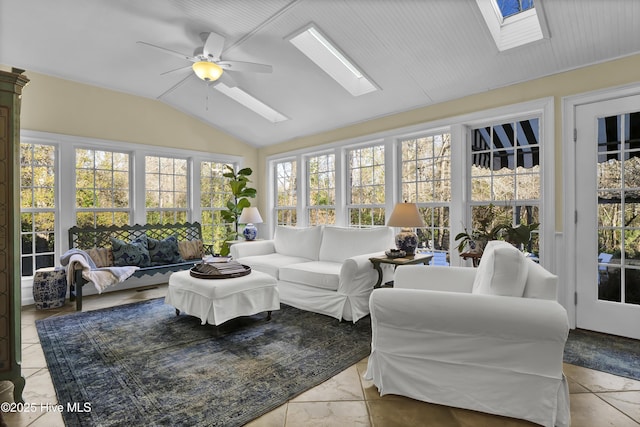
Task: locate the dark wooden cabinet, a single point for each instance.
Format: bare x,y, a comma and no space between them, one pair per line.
11,85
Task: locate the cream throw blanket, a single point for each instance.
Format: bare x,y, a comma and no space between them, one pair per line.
102,278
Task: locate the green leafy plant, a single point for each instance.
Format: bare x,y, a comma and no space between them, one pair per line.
241,192
491,226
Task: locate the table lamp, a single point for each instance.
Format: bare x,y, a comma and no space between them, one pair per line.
249,217
406,215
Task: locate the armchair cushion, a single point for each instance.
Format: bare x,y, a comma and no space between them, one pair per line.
502,271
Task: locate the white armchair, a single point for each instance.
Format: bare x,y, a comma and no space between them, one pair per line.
448,336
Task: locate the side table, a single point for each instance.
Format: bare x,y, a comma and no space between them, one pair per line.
408,260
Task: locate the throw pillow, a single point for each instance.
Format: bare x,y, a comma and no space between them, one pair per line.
163,252
502,271
102,257
191,249
134,253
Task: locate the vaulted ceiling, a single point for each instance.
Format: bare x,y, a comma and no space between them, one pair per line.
418,52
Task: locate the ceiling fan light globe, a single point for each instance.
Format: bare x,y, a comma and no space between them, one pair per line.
207,71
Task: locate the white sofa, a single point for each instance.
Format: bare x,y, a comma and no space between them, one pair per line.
489,339
324,269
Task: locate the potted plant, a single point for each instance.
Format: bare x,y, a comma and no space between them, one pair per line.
493,227
241,193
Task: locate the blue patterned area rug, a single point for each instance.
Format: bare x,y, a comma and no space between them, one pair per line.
602,352
141,365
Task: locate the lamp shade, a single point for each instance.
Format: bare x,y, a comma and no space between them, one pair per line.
405,215
250,215
207,71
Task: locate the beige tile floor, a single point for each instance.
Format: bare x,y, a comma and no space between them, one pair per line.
597,399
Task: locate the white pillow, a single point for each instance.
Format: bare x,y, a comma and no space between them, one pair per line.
298,241
502,271
340,243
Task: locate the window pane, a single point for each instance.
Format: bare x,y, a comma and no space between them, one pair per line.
102,187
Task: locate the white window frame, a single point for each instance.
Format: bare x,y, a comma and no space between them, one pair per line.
350,186
65,174
459,127
171,210
307,174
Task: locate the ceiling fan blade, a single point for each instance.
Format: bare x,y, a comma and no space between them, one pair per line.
169,51
213,45
245,66
176,70
228,80
175,86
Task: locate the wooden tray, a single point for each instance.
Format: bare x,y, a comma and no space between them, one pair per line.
207,271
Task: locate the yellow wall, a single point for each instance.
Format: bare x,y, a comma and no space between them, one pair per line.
51,104
609,74
60,106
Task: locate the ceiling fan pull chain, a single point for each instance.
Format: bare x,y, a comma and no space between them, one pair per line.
206,102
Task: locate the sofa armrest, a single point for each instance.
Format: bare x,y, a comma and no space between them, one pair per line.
434,278
245,249
357,275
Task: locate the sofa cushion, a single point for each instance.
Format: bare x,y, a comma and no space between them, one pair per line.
270,263
163,252
319,274
340,243
502,271
298,241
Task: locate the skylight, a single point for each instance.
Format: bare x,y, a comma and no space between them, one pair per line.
512,23
512,7
251,103
331,60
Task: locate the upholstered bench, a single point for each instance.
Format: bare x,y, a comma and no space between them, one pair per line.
216,301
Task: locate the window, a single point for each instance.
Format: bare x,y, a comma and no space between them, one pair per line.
214,194
366,186
102,188
513,23
512,7
286,193
321,189
37,206
426,180
166,190
505,175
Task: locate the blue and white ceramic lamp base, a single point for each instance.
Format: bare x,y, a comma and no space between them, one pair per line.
407,241
250,232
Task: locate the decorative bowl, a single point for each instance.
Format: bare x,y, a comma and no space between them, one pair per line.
395,253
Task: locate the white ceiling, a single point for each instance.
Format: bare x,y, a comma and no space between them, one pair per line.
419,52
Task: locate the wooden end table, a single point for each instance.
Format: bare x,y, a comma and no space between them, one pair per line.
407,260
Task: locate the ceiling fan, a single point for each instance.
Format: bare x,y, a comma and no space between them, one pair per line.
207,63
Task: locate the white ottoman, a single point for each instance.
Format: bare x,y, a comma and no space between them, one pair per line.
215,301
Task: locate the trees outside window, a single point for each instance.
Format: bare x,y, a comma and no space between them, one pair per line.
321,189
167,189
426,181
102,188
286,197
37,206
214,193
366,187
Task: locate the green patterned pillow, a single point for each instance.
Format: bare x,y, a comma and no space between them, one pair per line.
165,251
134,253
